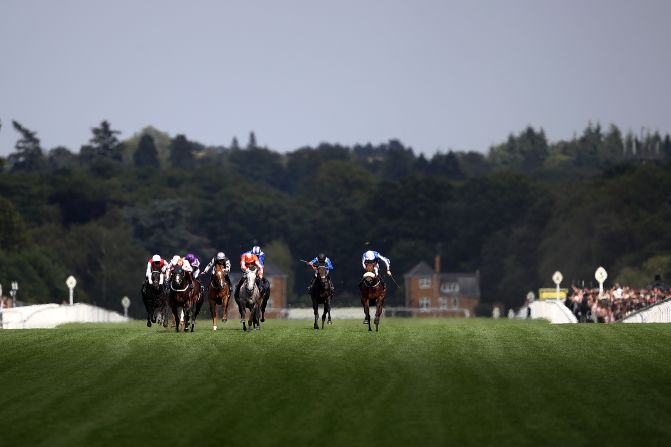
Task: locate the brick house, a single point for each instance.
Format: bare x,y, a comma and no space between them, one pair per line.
428,292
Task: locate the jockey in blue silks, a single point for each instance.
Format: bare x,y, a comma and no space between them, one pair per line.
373,257
321,259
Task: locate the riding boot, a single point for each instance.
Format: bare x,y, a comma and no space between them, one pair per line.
312,283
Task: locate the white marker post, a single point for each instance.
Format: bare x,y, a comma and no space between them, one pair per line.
71,282
13,292
125,302
600,275
557,278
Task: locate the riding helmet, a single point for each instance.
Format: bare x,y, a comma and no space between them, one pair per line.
221,256
321,257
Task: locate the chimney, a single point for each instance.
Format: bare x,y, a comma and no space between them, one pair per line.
436,263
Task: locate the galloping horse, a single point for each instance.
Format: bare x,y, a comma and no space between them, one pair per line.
250,298
322,294
153,296
219,292
181,295
373,292
265,295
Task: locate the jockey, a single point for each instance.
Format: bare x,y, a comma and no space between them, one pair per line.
155,263
194,263
256,250
371,256
177,260
246,261
321,259
220,259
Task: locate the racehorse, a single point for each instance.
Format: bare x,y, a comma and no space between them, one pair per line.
188,298
250,298
265,295
373,292
155,302
219,292
322,294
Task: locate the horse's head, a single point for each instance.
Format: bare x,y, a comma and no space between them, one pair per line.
250,277
219,276
156,279
369,279
322,274
178,278
370,267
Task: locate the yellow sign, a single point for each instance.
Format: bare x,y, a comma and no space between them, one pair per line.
551,294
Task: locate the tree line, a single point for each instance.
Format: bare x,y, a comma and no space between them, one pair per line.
518,213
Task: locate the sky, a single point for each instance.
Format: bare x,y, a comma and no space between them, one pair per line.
436,74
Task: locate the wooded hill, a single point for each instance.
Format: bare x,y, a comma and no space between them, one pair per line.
525,209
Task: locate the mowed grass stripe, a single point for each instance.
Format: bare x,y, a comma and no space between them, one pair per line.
435,381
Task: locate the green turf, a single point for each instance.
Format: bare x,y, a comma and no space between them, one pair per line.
428,381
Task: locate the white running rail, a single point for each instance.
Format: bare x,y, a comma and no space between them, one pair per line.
51,315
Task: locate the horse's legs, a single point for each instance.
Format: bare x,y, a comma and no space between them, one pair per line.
366,311
378,311
224,306
176,314
315,308
187,316
145,299
213,312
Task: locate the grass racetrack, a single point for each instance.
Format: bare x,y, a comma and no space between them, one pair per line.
429,381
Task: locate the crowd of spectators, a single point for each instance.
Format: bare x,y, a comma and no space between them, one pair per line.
589,305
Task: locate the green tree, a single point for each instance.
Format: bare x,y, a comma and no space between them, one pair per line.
146,153
181,152
104,142
29,155
13,235
251,143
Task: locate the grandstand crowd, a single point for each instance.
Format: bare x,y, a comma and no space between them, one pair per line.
589,305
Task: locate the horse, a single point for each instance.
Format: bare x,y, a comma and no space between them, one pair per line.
154,299
265,295
250,298
322,294
181,295
373,292
219,292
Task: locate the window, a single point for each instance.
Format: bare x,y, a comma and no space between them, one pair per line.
424,303
455,303
424,283
442,303
270,304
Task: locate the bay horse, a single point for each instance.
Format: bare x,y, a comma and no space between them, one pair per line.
250,298
219,292
181,295
373,292
265,295
322,294
154,298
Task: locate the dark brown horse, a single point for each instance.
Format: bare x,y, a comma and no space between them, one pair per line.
373,292
219,292
185,294
265,295
155,299
322,293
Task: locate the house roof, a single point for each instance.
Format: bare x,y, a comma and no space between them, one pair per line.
421,269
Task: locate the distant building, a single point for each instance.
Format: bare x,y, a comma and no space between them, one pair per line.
432,293
278,290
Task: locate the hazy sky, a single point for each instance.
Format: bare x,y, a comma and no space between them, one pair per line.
435,74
